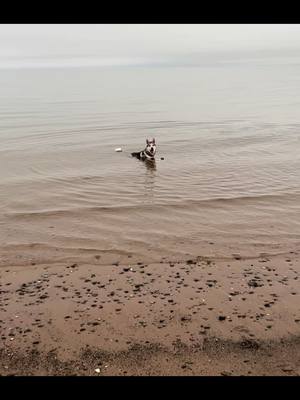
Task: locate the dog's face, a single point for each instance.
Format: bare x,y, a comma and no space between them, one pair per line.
151,147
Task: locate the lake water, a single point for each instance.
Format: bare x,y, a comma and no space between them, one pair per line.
229,182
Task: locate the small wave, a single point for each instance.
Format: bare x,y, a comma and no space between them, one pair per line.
179,205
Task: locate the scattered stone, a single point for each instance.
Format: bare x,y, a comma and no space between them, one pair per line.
287,368
226,373
254,283
185,318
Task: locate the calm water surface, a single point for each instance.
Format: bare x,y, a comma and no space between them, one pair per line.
229,181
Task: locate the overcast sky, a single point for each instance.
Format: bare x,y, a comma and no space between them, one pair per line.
134,43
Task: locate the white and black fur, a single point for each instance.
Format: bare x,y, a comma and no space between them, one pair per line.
148,154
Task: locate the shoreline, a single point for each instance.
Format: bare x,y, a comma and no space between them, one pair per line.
162,318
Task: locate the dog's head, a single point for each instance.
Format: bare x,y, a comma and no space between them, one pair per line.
151,147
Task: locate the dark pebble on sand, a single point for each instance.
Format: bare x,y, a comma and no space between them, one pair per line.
185,318
226,373
254,283
221,318
287,369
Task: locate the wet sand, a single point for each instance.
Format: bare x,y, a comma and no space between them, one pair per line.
201,316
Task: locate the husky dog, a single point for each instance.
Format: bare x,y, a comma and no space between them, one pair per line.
148,153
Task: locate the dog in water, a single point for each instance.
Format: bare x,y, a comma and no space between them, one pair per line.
148,154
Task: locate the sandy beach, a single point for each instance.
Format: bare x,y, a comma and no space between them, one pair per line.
201,316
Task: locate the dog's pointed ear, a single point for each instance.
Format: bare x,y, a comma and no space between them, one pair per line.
153,140
147,141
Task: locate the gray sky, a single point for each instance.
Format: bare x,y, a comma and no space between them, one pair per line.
134,43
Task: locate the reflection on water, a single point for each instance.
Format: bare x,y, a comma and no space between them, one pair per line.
150,174
150,165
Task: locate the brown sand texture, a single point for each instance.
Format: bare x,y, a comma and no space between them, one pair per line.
199,316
